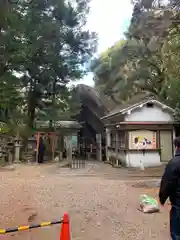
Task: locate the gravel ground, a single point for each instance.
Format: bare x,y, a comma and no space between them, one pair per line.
101,201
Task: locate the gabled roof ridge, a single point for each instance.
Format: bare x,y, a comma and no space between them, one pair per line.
144,102
134,106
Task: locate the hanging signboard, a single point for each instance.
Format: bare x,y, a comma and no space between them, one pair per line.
142,139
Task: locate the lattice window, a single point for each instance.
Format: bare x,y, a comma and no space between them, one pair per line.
113,139
119,139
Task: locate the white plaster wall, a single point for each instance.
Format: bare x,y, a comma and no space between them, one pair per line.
149,159
145,114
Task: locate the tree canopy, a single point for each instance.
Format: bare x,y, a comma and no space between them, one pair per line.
43,47
148,59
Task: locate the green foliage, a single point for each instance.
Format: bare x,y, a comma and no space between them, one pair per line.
148,60
65,107
131,67
44,46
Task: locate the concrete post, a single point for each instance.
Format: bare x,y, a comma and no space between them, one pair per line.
17,152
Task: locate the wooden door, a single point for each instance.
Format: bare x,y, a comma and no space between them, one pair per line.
166,145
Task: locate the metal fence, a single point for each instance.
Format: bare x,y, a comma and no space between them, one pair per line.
78,163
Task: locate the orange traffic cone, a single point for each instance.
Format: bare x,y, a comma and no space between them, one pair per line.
65,228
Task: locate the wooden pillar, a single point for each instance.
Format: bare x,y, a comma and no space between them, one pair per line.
117,147
37,145
173,137
158,139
99,147
108,143
126,139
53,135
61,146
69,149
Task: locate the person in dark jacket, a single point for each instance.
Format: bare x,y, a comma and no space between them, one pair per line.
170,188
41,150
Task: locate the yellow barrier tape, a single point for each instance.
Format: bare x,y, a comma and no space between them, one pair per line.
23,228
27,227
43,224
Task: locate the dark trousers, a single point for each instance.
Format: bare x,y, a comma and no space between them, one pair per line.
175,223
40,157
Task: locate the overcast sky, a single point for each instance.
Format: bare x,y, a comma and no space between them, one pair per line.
110,19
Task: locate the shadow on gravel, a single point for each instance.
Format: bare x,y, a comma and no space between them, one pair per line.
7,168
148,176
147,184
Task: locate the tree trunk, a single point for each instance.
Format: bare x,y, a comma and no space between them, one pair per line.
53,103
32,102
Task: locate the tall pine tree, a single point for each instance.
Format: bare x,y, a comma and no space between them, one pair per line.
47,46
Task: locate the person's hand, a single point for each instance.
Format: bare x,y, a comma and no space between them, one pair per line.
160,204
